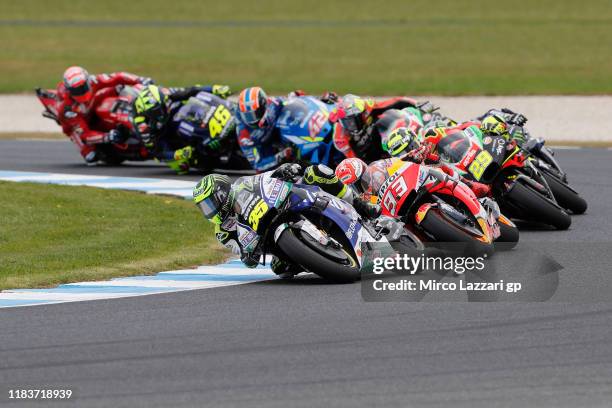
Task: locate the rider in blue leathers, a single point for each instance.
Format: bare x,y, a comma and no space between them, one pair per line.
258,135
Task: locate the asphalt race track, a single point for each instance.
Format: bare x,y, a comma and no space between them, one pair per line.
304,343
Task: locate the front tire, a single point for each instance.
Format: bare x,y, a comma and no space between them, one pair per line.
509,234
443,231
535,207
566,197
315,262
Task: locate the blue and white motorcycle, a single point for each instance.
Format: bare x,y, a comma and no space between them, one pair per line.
206,123
304,125
307,227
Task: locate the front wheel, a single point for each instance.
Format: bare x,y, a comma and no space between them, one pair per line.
508,234
565,196
314,261
436,225
535,207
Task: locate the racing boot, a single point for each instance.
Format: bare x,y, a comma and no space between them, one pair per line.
283,269
365,209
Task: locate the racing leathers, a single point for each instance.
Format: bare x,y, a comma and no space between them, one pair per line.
235,231
167,144
261,143
76,118
369,143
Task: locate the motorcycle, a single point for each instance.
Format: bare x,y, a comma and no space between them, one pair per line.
304,125
111,113
517,185
206,123
306,227
388,116
439,209
543,158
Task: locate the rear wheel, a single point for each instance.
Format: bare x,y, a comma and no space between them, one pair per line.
436,225
535,207
343,269
565,196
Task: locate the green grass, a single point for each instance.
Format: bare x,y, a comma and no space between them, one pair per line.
56,234
393,47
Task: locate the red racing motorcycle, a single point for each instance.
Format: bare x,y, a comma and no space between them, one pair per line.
437,208
111,113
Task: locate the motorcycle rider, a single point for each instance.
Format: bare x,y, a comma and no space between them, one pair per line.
403,146
258,137
229,206
79,94
358,134
153,110
490,125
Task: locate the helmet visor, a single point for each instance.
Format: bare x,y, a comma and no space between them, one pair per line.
352,124
252,118
210,209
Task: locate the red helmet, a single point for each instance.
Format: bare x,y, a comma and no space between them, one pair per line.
252,104
78,84
350,171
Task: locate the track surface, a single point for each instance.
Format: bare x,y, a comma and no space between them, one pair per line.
307,344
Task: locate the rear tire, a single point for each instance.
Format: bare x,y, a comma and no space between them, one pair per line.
536,207
443,231
566,198
315,262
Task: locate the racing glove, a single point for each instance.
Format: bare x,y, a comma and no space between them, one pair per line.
114,137
329,97
284,155
288,172
297,92
419,155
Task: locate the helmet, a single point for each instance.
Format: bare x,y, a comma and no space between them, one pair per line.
401,141
349,171
388,122
493,125
150,111
252,104
78,84
354,114
211,196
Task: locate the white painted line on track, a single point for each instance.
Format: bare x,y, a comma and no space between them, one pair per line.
180,188
203,277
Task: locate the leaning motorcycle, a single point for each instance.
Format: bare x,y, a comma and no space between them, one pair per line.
306,227
439,209
113,112
206,123
517,184
543,158
304,125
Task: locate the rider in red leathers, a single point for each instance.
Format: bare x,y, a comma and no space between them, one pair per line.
353,134
79,94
